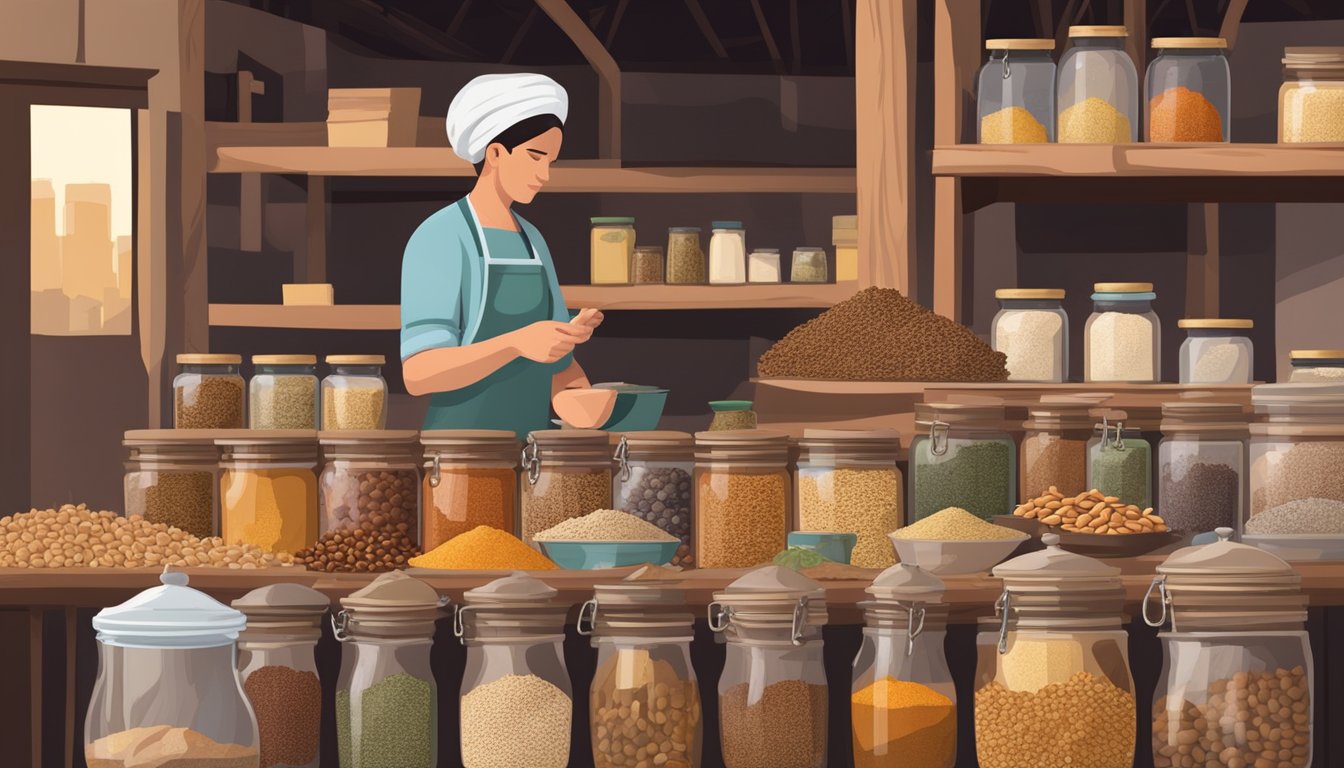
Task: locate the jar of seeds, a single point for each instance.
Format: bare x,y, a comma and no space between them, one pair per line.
962,456
172,477
1202,465
1015,99
1217,351
742,497
809,266
471,479
283,392
653,482
208,392
731,415
686,263
647,266
1032,330
1122,339
1098,88
566,473
1120,460
848,482
354,394
370,494
1054,448
268,489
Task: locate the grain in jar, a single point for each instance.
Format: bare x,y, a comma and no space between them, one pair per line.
565,473
1098,88
1031,329
848,482
268,489
654,483
1016,95
728,253
731,415
354,394
1189,90
470,479
1322,366
961,456
647,266
370,501
809,266
612,246
1311,100
763,266
1054,448
1202,465
685,258
1217,351
1122,338
172,478
208,392
742,497
1120,460
283,392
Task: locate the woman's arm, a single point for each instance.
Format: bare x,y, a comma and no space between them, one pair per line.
572,377
448,368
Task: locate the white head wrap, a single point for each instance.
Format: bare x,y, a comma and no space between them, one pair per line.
491,104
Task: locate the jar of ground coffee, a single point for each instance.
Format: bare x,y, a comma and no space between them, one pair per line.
172,477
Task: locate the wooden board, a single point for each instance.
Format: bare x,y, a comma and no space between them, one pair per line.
1140,160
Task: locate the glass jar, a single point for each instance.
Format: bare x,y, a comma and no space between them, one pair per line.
1054,450
685,259
354,394
517,703
647,266
809,266
1122,340
772,693
728,254
763,266
172,477
1202,465
278,666
208,392
961,456
1311,100
741,497
1189,90
731,415
1098,97
566,473
1217,352
1321,366
387,710
1032,331
268,489
471,479
283,392
612,245
369,493
848,482
654,483
167,685
1120,460
1016,97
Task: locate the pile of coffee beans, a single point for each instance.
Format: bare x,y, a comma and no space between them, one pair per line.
662,496
370,522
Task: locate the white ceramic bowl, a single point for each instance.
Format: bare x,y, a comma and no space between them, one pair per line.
955,557
1299,547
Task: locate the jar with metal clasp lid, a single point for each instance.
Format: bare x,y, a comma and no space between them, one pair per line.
1016,94
566,473
470,479
1120,460
742,495
654,483
848,482
962,456
1202,465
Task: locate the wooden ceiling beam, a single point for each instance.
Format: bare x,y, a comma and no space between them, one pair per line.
615,23
1232,22
608,74
768,37
706,29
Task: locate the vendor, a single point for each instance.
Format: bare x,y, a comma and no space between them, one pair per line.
484,328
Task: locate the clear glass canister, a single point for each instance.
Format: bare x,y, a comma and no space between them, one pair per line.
172,478
1122,340
517,702
613,243
278,666
208,392
741,497
685,258
1098,96
1202,465
1311,100
654,483
961,456
1032,331
1322,366
1189,90
1217,351
370,500
387,711
1016,97
728,253
167,685
268,489
647,266
763,266
1120,460
731,414
772,693
566,473
848,482
354,394
471,479
1054,450
283,392
809,266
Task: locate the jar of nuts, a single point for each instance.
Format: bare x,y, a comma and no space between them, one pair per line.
470,479
653,483
848,482
268,489
208,392
741,497
370,501
283,392
354,394
172,477
566,473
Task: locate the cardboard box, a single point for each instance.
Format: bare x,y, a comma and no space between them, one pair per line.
308,294
372,117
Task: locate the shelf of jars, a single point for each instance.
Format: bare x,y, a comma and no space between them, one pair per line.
1141,160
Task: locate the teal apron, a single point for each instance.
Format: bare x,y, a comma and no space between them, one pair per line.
517,397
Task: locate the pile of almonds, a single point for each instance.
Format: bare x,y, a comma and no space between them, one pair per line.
1090,512
75,536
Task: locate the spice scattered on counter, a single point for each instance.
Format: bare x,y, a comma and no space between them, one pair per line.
1124,472
662,496
1301,516
466,498
1180,114
353,407
977,476
1091,512
742,519
397,724
484,548
77,536
184,500
1031,340
560,495
1012,125
604,525
268,508
644,713
1306,470
1253,719
166,746
1094,121
288,705
1200,496
782,726
517,720
209,402
1044,729
954,524
900,720
284,402
862,501
1052,461
879,335
1120,348
370,519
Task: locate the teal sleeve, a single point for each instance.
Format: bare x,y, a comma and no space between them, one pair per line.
431,288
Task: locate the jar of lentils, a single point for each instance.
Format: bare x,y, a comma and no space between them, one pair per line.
283,392
354,394
566,473
647,266
172,478
653,483
848,482
1311,100
208,392
962,456
471,479
686,263
742,494
809,266
370,495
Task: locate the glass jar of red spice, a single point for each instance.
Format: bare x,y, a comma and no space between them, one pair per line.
470,479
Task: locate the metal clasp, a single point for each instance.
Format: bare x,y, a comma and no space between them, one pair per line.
623,457
913,629
720,616
530,462
1007,71
434,472
938,447
340,626
1164,600
799,620
1004,606
1119,443
459,628
588,607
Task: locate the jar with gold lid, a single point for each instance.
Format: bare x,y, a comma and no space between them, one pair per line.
208,392
1098,88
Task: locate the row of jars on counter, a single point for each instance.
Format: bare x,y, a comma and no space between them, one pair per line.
1052,688
284,393
617,260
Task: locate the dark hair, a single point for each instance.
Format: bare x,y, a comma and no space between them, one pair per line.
521,132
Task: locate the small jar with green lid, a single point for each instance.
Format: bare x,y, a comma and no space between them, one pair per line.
613,243
732,414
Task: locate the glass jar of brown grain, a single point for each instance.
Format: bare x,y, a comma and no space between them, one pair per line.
686,264
208,392
470,479
565,473
647,266
742,497
1054,449
172,477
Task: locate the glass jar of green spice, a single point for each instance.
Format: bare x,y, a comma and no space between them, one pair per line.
1120,460
283,392
809,265
731,414
962,456
686,264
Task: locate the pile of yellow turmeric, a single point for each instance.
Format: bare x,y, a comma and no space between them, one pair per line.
484,549
898,718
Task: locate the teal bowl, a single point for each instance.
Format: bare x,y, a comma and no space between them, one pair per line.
836,547
587,555
637,408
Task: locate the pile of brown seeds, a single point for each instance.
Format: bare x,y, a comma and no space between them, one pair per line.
879,335
1251,719
1090,512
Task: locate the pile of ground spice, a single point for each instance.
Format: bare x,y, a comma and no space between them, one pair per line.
483,549
1180,114
879,335
1012,125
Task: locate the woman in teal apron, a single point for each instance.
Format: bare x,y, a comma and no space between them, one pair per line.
484,328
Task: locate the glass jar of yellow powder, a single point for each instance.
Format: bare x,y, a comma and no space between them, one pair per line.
612,245
1016,96
1311,100
268,489
470,479
354,394
1189,90
1098,96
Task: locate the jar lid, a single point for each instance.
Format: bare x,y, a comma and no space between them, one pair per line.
725,224
684,230
771,598
877,444
282,609
393,605
267,443
134,438
1225,585
368,442
209,359
647,249
1225,557
172,615
1029,293
1317,354
622,220
1303,397
721,406
759,444
906,581
766,251
356,360
1019,44
1099,31
1317,57
657,444
393,589
774,580
1214,323
563,437
1060,413
960,412
446,438
809,249
518,589
1054,564
284,359
1189,42
1197,416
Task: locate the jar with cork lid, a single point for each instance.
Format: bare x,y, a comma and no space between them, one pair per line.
1120,459
1098,88
962,456
1016,95
1311,100
566,473
1237,674
283,392
1122,340
742,494
208,392
172,478
354,394
1189,90
1054,447
654,483
470,479
772,693
1217,351
1202,465
517,702
369,493
268,489
848,482
1031,329
1055,647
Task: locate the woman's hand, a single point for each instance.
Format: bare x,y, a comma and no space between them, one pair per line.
547,341
588,318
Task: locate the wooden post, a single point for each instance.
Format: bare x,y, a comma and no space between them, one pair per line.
608,75
310,266
249,184
191,163
35,616
1202,266
71,642
1136,23
884,80
16,304
151,254
956,37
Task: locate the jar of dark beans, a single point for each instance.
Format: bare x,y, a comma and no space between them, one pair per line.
653,483
1202,465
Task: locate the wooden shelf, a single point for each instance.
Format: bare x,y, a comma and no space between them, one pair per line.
1012,391
1139,160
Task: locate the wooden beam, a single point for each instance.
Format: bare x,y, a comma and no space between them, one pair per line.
16,304
520,35
151,254
608,75
71,664
1136,23
795,38
310,265
706,29
955,60
884,83
1203,265
615,23
249,184
1232,22
847,30
458,17
191,164
35,616
767,37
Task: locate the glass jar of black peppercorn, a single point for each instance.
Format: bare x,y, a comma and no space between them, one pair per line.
653,483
